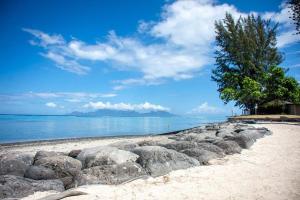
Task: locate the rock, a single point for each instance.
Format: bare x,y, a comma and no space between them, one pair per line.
105,155
111,174
39,173
65,167
42,154
212,127
125,145
253,134
148,143
15,163
17,187
158,160
203,156
229,147
224,132
180,145
211,147
243,141
74,153
188,137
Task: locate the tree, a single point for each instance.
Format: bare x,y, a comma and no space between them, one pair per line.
278,86
247,62
295,7
246,48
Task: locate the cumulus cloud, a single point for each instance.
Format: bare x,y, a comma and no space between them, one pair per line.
182,43
205,108
287,32
187,30
51,105
125,106
70,95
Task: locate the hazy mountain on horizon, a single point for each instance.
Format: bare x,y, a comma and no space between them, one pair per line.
121,113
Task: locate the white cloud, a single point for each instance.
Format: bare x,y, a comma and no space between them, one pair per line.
187,28
182,43
51,105
287,38
67,64
191,23
70,95
45,39
125,106
205,108
287,32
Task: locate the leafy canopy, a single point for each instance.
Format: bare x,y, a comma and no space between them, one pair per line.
247,62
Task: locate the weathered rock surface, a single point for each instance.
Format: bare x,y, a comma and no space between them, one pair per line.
74,153
203,156
211,147
125,145
65,167
17,187
42,154
148,143
158,160
180,145
40,173
105,155
15,163
111,174
225,132
244,141
229,147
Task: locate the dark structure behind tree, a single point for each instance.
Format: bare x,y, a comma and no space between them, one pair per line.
247,62
295,15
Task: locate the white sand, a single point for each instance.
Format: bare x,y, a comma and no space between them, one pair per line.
269,170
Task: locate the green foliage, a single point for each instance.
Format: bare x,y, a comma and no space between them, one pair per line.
251,91
247,62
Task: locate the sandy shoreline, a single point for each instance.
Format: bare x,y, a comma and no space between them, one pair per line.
270,169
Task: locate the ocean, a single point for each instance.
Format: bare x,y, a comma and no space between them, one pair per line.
20,128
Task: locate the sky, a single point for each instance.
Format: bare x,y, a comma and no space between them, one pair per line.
59,56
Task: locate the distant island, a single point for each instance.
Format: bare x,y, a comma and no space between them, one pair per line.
121,113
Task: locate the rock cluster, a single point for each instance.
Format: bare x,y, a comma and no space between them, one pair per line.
23,174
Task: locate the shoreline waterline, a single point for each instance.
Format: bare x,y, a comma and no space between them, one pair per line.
29,129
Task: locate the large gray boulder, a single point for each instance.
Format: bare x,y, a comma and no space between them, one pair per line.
242,140
40,173
158,160
65,167
17,187
111,174
224,132
149,143
229,147
188,137
105,155
15,163
125,145
43,154
203,156
74,153
208,146
180,145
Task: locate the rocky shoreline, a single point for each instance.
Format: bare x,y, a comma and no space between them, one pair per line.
22,174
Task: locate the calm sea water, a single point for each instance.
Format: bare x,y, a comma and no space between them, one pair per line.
16,128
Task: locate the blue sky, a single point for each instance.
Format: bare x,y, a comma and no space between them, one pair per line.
61,56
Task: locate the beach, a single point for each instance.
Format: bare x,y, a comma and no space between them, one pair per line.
270,169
